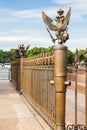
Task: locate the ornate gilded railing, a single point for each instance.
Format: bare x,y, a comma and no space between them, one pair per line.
77,127
38,72
33,75
15,73
44,61
78,77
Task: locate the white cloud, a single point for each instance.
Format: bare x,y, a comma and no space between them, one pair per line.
21,38
79,43
78,8
7,15
70,1
6,43
26,14
38,36
62,1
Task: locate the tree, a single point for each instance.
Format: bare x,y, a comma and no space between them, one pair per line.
7,56
50,49
1,56
36,51
12,55
80,53
70,57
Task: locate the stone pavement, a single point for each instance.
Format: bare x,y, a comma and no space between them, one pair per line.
70,107
15,113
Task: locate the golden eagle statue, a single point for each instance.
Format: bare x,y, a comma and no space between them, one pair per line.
61,27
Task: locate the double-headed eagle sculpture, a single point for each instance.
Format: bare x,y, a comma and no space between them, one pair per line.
21,50
62,25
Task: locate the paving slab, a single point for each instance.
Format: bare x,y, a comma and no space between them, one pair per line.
17,114
14,113
70,107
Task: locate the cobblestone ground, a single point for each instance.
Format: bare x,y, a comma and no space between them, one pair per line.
14,113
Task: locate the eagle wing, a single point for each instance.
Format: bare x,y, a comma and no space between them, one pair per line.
48,21
67,17
27,47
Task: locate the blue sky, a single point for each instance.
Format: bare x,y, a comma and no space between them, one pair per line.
21,23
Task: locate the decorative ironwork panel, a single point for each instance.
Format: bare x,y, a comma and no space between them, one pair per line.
78,127
41,61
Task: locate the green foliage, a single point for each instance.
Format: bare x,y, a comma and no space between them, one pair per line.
80,52
50,49
7,56
4,58
36,51
12,55
70,57
1,56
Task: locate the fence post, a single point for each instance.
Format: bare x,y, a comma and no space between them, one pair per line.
86,97
11,72
60,65
21,74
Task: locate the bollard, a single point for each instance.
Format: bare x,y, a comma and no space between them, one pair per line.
60,65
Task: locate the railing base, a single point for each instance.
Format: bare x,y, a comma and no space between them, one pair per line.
76,127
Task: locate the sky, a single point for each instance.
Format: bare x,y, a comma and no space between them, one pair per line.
21,23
